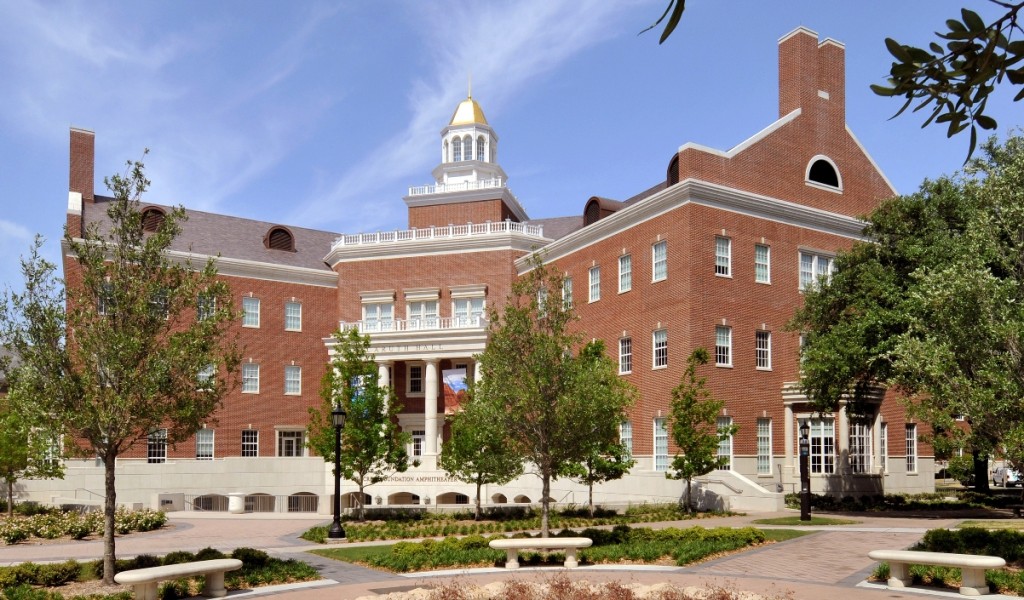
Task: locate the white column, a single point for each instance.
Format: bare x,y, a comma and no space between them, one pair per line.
384,373
478,374
430,408
789,429
876,443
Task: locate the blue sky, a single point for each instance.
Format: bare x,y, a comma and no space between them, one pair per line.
322,114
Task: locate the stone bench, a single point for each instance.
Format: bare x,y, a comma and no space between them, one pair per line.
972,567
143,581
512,546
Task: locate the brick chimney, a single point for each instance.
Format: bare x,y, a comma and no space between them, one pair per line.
812,75
81,177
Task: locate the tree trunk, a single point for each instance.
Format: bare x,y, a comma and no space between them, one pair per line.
590,497
10,499
477,517
362,505
688,503
981,473
545,487
109,508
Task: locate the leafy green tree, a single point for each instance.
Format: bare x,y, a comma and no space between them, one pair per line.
372,447
606,462
543,393
129,357
26,451
933,307
476,451
693,424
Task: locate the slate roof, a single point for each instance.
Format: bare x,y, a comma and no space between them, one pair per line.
559,227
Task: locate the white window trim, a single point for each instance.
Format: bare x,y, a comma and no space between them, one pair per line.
156,440
256,443
212,444
654,445
728,257
286,305
757,441
628,284
257,390
768,335
815,273
621,355
623,439
258,310
911,448
722,422
591,281
408,379
654,261
729,363
768,264
286,392
303,451
822,186
654,349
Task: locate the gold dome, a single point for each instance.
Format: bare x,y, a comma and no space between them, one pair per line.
468,112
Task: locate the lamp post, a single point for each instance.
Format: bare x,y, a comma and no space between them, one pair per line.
338,418
805,476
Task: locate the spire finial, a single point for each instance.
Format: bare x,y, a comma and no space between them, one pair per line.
469,94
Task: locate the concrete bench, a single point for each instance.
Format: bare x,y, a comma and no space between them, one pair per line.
512,547
1016,509
972,567
143,581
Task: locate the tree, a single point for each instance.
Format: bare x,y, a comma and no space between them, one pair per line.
693,423
606,462
476,451
933,307
372,447
130,358
544,395
26,452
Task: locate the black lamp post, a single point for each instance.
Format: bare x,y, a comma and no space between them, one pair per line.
338,418
805,476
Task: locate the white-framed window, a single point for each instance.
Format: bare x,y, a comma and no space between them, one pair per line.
293,316
105,302
659,343
659,261
764,446
595,284
883,446
292,380
480,148
250,442
911,447
660,445
204,444
418,438
814,267
379,316
763,350
860,446
250,378
626,436
468,311
457,150
414,380
158,305
206,306
291,442
723,256
422,314
205,377
250,311
567,293
156,446
762,264
724,445
625,273
723,346
822,446
625,355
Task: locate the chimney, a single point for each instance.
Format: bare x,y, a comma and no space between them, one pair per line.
812,75
81,178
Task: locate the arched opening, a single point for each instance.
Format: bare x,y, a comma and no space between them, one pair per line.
499,499
822,170
480,148
452,498
303,502
672,176
351,500
211,502
592,212
152,219
467,148
456,150
521,499
259,503
403,498
279,238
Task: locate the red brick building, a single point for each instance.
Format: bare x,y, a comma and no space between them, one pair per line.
716,255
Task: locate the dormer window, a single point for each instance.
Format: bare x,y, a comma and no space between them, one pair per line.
672,177
592,212
279,238
822,172
152,219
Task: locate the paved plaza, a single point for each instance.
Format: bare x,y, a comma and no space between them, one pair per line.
830,563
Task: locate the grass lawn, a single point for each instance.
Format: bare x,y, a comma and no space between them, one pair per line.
795,521
1015,524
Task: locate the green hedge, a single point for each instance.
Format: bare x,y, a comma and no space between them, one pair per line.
53,524
904,502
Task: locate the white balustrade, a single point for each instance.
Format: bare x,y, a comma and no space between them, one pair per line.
434,233
431,324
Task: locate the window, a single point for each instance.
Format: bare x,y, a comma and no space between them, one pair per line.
822,446
595,284
291,443
660,445
205,377
822,171
626,436
251,378
250,442
156,446
814,267
423,314
415,380
723,256
480,148
723,346
418,436
152,219
279,238
206,305
625,273
378,316
724,445
456,150
883,443
292,316
468,311
762,264
625,355
764,446
250,312
105,302
204,444
567,293
542,301
158,304
660,345
860,446
911,448
292,380
659,261
763,350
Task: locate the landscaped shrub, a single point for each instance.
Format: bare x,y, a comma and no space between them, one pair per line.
209,554
180,556
904,502
53,523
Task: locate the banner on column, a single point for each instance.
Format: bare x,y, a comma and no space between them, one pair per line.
454,387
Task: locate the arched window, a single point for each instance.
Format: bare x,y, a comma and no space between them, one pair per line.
673,171
152,219
456,150
480,148
592,212
279,238
822,171
467,148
